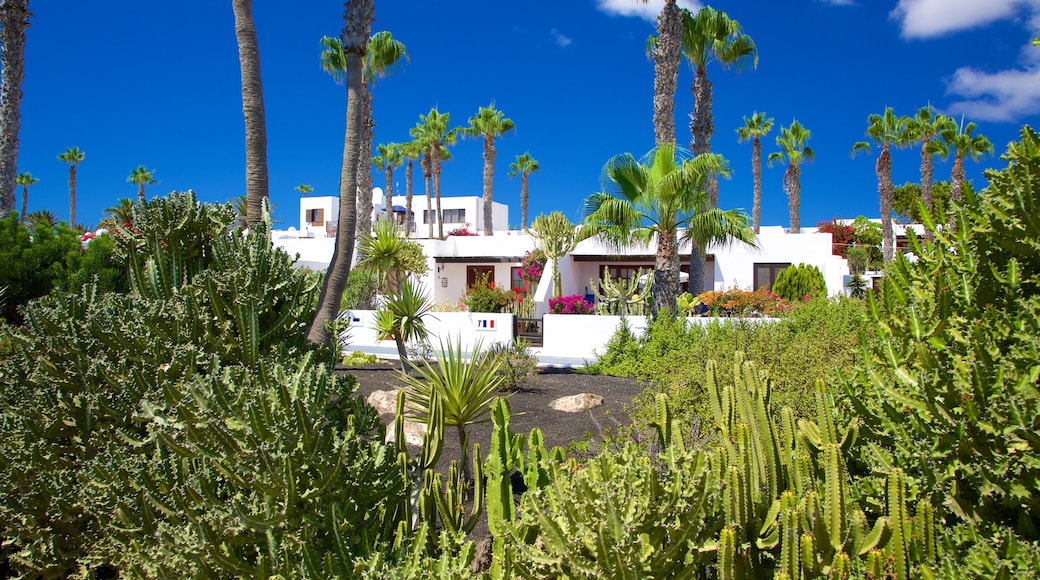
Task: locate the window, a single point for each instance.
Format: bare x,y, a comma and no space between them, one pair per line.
426,216
765,274
316,217
626,272
516,283
475,274
453,216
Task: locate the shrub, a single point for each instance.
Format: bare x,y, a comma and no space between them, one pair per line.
949,389
518,363
858,258
842,236
743,303
484,296
575,304
463,231
361,290
358,358
800,282
532,266
32,263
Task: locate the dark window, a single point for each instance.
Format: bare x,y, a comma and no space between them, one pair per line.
316,217
765,274
426,216
626,272
475,274
515,281
453,216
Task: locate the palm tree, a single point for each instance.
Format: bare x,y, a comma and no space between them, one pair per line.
123,212
886,130
41,218
357,17
26,180
388,159
655,198
962,142
433,131
382,52
73,156
793,151
252,110
664,49
754,129
14,20
304,189
410,151
557,237
711,35
142,177
423,147
924,128
523,166
488,124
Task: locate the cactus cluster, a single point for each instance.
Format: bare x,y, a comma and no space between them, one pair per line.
621,297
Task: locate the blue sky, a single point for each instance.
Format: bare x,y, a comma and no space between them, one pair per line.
156,83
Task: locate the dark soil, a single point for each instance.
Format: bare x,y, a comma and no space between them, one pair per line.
530,407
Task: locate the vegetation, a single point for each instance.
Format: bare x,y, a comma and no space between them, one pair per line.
523,166
487,125
25,180
793,151
252,111
73,156
142,177
14,20
800,282
401,318
886,131
518,363
574,304
485,296
754,129
556,237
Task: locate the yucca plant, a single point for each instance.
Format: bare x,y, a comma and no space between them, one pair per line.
401,318
465,385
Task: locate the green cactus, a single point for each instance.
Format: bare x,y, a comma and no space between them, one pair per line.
728,554
621,297
898,545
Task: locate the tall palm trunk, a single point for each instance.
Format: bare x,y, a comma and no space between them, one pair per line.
523,200
885,192
388,195
408,198
756,172
14,20
358,16
72,195
364,179
956,188
140,193
666,272
436,168
489,183
427,165
667,57
25,202
926,181
793,185
701,130
252,110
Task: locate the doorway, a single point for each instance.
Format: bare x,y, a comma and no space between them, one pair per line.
475,274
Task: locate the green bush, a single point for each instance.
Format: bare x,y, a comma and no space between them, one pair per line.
187,428
32,263
484,296
358,358
800,282
948,391
518,362
361,290
816,340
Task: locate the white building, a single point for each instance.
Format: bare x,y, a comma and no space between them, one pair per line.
457,262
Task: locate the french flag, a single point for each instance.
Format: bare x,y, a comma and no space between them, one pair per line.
486,324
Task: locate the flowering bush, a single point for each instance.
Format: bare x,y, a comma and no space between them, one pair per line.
485,296
842,236
463,231
575,304
744,303
532,266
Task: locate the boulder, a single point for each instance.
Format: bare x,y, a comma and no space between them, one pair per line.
413,433
384,402
576,403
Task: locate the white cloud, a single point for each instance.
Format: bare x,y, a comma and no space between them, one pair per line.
561,40
930,18
839,2
646,10
1007,95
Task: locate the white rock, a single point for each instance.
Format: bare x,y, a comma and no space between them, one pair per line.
413,433
576,403
384,402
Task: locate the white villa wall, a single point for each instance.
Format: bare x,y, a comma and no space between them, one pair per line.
466,328
734,266
474,213
330,207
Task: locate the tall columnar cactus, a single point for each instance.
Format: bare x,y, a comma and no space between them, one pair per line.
621,297
899,550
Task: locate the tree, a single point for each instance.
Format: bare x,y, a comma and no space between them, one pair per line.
14,20
907,200
73,156
488,124
924,128
523,166
654,198
382,52
665,52
422,147
961,141
142,177
556,237
388,159
123,212
410,151
304,189
793,151
252,110
357,17
25,180
754,129
434,133
886,130
711,35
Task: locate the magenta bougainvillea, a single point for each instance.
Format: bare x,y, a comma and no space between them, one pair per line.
575,304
